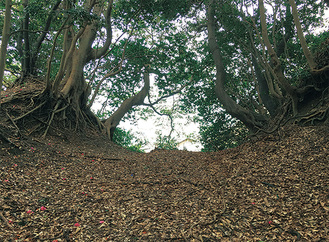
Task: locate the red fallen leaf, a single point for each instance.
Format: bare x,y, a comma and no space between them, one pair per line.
30,212
76,224
43,208
270,222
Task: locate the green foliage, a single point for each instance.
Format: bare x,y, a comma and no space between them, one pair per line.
223,133
170,36
165,142
128,140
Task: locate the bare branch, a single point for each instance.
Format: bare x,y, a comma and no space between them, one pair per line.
52,54
111,73
169,95
163,114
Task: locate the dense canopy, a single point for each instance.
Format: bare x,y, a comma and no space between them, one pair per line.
241,67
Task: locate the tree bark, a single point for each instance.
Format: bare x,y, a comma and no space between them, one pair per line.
77,58
112,122
269,102
247,117
300,34
4,41
26,51
275,60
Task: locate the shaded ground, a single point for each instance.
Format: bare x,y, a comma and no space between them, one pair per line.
275,189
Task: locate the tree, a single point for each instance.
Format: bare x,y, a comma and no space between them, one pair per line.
4,41
264,85
281,85
230,58
81,41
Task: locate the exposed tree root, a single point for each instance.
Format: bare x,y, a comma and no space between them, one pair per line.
30,112
51,118
44,113
13,122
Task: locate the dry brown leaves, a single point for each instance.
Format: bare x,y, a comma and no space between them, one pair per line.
275,189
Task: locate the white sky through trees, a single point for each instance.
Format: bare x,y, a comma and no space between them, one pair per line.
184,127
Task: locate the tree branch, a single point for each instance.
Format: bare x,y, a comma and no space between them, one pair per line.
275,59
41,38
111,73
96,54
162,114
168,95
300,34
112,122
251,119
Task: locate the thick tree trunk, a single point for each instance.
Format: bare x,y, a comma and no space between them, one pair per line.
247,117
69,89
4,41
112,122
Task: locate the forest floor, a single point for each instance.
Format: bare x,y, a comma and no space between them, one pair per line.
89,189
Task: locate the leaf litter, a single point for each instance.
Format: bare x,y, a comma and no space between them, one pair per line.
87,189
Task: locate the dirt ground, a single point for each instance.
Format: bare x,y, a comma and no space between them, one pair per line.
89,189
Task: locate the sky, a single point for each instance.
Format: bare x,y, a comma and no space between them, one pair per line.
149,129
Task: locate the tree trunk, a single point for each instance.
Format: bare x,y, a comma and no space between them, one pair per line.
276,61
4,41
112,122
69,88
251,120
300,34
40,39
269,102
26,51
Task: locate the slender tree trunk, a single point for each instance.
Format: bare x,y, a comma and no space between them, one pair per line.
40,39
4,41
300,34
247,117
276,61
112,122
26,51
269,102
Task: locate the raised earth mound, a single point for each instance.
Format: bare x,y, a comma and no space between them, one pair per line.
88,189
